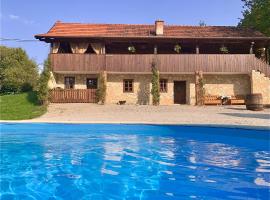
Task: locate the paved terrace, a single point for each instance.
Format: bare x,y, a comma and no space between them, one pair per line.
176,114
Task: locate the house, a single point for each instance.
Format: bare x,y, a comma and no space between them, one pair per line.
229,60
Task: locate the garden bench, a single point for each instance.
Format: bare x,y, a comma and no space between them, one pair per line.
212,100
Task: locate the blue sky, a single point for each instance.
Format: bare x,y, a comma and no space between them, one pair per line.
23,19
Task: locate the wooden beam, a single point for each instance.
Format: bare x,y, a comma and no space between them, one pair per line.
267,56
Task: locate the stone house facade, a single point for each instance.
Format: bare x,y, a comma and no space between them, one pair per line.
227,58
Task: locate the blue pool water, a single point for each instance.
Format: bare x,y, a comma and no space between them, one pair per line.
61,161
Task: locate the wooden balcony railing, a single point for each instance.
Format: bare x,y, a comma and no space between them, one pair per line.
73,96
167,63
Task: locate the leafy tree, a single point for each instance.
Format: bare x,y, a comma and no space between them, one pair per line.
42,88
256,15
202,23
155,91
18,73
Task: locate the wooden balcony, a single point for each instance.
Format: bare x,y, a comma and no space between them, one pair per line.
167,63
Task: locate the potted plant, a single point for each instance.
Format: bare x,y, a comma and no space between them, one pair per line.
177,48
224,49
131,49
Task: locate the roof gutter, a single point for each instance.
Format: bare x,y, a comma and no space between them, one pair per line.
42,38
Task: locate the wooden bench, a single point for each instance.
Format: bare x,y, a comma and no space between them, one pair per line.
212,100
237,100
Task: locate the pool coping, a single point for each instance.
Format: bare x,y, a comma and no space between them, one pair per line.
266,128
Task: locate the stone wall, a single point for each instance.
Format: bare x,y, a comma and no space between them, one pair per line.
226,85
213,84
168,97
57,80
141,89
260,84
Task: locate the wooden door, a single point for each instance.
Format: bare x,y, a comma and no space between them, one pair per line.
180,92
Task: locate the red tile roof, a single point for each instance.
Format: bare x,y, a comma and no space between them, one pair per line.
60,29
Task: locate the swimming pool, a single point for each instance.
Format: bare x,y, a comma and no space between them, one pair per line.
102,161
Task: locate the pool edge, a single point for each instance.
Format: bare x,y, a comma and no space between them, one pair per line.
250,127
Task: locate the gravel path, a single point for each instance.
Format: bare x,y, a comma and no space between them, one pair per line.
176,114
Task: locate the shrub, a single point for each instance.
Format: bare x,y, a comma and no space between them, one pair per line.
200,91
43,89
18,73
102,87
155,91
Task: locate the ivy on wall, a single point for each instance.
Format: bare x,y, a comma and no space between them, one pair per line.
102,87
155,91
199,87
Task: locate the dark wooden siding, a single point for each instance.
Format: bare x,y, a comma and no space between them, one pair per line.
78,62
167,63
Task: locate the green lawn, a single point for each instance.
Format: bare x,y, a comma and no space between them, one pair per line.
20,106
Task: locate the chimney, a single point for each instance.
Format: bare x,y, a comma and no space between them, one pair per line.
159,27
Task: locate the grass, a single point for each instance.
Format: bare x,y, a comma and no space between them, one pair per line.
20,106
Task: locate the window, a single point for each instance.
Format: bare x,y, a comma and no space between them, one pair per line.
163,85
69,82
64,48
128,85
91,83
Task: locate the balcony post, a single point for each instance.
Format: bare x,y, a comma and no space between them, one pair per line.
197,49
155,49
251,47
103,49
267,55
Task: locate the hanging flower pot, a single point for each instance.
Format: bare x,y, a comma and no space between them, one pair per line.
132,49
177,48
224,50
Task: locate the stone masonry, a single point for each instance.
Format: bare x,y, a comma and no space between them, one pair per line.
226,85
236,84
260,84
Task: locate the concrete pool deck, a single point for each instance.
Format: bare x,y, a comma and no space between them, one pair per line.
234,116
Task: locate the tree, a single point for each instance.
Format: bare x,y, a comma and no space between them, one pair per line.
42,88
155,91
202,23
18,73
256,15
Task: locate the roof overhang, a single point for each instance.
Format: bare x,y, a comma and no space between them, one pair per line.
162,73
52,38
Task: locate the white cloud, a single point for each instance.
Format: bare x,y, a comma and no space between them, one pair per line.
19,19
15,17
28,21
